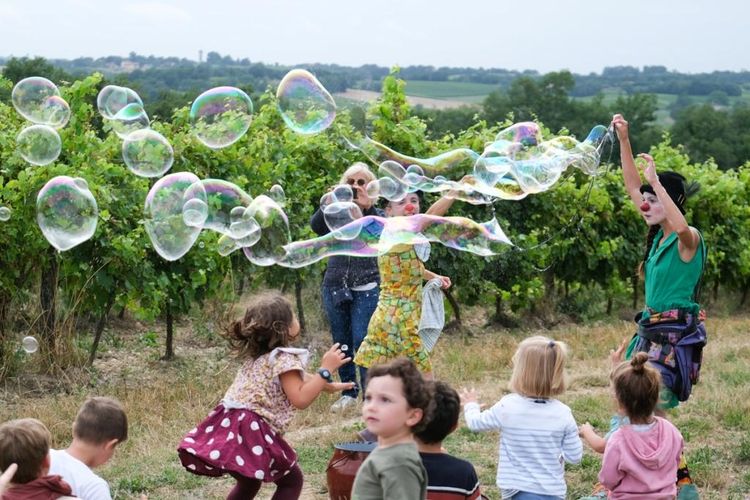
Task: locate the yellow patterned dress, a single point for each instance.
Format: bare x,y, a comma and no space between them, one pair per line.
393,329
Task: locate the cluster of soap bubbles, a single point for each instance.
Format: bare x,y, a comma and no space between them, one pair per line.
517,163
39,101
66,212
145,151
179,206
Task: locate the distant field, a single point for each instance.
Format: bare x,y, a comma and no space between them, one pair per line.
448,90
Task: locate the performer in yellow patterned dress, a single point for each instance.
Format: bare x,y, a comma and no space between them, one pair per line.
393,328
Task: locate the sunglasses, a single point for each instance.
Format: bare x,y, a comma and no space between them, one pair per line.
358,182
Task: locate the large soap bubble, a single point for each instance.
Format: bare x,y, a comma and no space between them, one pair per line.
66,212
147,153
305,105
4,214
165,226
221,116
39,144
113,98
129,119
339,210
35,97
56,112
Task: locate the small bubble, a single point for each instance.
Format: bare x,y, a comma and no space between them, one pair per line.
344,347
30,344
201,245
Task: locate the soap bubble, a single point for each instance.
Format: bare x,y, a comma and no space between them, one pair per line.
147,153
129,119
31,98
4,214
165,226
220,197
274,227
340,210
66,212
39,144
113,98
344,347
305,105
221,116
276,193
30,344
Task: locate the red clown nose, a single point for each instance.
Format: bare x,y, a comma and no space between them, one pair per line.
408,207
645,206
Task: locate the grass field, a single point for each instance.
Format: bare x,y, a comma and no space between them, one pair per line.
165,399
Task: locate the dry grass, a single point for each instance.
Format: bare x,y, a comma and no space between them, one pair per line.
164,400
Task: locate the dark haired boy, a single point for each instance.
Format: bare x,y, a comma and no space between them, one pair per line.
100,425
448,477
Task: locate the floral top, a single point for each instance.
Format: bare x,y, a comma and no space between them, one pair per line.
257,386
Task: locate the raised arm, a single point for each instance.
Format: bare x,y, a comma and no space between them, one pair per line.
689,237
302,390
629,171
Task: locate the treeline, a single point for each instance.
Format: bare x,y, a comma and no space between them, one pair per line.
159,73
577,245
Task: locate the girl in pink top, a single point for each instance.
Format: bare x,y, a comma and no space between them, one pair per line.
641,458
243,435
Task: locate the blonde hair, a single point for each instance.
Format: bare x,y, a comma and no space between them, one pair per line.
24,442
357,168
539,368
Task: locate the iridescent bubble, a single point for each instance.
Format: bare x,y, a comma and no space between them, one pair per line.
66,212
113,98
242,223
378,235
305,105
39,144
274,227
147,153
129,119
340,210
221,116
31,96
30,344
220,198
4,214
163,212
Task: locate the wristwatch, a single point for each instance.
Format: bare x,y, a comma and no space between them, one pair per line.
325,374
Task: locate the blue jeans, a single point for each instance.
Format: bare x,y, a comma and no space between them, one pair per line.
525,495
349,321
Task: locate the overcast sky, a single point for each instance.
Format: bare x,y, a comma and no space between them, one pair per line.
545,35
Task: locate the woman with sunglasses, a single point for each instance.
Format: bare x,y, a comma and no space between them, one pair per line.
350,286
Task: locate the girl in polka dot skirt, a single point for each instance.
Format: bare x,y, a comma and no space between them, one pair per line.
242,436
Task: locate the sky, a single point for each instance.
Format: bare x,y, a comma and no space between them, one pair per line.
582,36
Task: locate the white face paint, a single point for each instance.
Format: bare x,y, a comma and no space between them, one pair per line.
652,209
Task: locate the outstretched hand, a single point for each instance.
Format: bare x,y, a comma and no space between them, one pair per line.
649,170
338,386
469,396
334,358
616,356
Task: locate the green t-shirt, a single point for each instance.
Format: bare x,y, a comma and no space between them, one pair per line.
670,282
391,473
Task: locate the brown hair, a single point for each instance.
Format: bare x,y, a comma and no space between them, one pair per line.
417,391
100,420
445,415
637,385
539,368
24,442
264,327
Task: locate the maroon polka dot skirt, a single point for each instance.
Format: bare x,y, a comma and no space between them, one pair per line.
238,441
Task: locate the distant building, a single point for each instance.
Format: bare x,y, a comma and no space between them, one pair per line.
127,66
